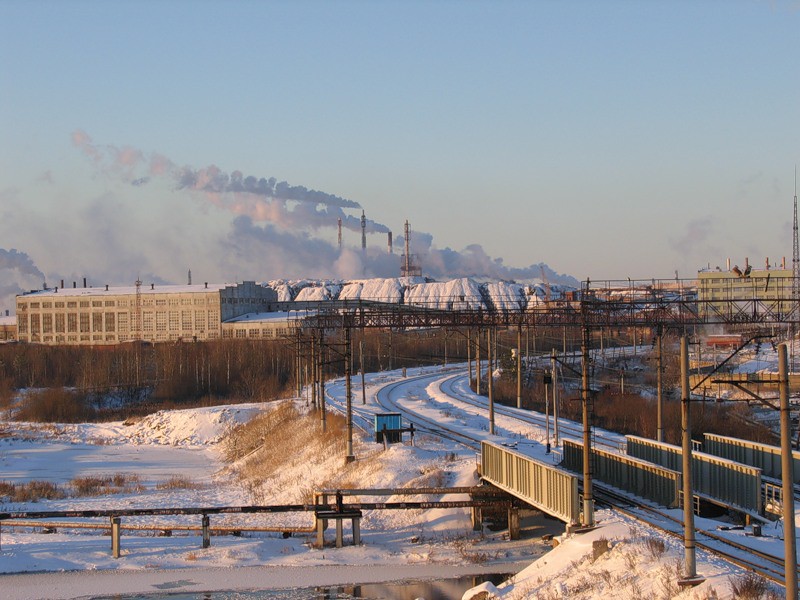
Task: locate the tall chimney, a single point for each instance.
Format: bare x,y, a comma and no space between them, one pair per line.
340,233
62,283
74,284
783,263
84,282
389,241
766,263
746,262
363,231
729,264
190,277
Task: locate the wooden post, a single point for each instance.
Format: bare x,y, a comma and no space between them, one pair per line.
320,533
356,523
206,533
513,523
339,536
115,529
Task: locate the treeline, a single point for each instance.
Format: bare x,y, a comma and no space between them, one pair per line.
83,383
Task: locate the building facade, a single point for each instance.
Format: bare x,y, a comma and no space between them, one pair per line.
97,316
723,292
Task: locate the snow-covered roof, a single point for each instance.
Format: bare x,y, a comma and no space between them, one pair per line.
128,290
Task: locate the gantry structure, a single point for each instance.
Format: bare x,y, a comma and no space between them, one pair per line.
657,305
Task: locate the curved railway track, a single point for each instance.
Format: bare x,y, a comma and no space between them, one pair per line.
455,386
389,398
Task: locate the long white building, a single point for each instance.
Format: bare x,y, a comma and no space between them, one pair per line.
151,313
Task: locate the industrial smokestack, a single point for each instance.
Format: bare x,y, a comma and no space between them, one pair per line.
62,283
746,262
363,231
783,263
74,284
340,233
729,264
84,282
389,241
190,277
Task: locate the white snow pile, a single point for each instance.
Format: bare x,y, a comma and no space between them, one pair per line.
186,428
464,293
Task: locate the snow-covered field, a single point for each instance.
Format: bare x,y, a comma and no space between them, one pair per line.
396,544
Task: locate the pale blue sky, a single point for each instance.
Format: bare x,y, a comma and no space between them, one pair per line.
606,139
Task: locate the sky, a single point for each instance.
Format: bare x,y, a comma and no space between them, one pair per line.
602,139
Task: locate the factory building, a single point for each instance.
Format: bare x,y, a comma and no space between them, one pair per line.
718,290
150,313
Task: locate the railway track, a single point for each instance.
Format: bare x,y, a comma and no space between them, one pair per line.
456,387
767,566
389,398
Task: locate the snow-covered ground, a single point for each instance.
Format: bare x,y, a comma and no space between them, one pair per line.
396,544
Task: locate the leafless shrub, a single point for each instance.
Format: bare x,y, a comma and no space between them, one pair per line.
177,482
275,425
98,485
90,485
606,576
750,586
631,560
32,491
582,585
54,405
668,583
656,547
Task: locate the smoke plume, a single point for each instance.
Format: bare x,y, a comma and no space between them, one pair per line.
270,235
20,262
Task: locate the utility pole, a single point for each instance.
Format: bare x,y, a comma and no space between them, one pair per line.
660,385
469,354
588,500
555,395
323,416
361,365
313,371
690,567
489,357
789,540
478,362
348,375
519,366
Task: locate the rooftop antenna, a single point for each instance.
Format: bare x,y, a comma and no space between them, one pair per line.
795,263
